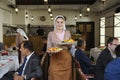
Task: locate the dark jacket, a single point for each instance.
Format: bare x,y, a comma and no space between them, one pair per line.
33,68
84,61
104,58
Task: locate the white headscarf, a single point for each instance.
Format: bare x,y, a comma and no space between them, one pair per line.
59,16
22,33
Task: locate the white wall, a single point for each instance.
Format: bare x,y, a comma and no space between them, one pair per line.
19,18
1,28
5,18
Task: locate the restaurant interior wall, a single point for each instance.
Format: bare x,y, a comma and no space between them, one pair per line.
109,22
5,17
20,20
69,14
96,28
4,6
1,28
70,18
47,28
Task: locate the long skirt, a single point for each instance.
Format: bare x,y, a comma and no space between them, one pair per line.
60,66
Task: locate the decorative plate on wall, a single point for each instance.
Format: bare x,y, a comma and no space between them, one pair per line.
42,18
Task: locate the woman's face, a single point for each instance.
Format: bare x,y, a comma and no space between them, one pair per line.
59,23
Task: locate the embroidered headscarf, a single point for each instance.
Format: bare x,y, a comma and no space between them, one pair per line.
59,16
22,33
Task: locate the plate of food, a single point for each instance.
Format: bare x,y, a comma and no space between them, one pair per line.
54,50
67,42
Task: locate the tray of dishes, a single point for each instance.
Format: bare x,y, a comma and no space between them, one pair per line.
67,42
54,50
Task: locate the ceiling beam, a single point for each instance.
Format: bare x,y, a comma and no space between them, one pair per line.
54,2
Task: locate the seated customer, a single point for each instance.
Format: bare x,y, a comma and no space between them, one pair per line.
30,69
112,70
80,56
107,55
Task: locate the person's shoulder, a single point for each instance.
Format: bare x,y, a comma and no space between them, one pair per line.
116,61
35,55
105,52
79,52
67,31
51,32
113,64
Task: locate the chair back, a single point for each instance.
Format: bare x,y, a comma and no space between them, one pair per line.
43,58
82,75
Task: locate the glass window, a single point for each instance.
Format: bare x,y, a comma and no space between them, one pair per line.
102,31
117,25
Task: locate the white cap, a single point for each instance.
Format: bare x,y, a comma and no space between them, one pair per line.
22,33
56,19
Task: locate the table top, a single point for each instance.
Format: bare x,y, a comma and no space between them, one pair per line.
8,63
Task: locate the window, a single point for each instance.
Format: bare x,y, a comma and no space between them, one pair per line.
102,31
117,25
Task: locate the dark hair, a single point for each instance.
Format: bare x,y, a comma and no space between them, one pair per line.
117,50
28,45
80,42
60,17
110,40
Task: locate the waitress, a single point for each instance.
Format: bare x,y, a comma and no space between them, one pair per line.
60,63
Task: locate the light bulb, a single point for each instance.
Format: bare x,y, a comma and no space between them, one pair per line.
88,9
16,9
32,18
45,0
80,14
51,14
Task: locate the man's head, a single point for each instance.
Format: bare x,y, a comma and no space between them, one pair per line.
117,51
26,47
112,43
81,43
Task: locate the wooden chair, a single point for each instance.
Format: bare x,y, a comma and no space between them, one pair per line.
82,75
43,58
45,64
